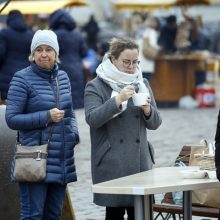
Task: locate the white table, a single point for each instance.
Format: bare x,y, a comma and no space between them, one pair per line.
159,180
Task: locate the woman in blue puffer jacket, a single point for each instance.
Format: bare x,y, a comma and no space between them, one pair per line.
32,110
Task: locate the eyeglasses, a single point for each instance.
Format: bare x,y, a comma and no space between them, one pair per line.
127,63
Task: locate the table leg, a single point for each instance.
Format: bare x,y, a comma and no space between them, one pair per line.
187,205
148,207
139,207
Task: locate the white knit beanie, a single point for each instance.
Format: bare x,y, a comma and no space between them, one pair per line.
45,37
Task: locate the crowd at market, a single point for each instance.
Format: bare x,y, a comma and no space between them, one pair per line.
84,46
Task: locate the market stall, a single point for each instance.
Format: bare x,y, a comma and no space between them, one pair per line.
174,76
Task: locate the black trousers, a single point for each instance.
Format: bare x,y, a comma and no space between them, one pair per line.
113,213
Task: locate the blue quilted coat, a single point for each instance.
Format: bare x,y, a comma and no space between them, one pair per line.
15,42
72,50
31,95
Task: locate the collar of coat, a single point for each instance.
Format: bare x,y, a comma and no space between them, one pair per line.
45,73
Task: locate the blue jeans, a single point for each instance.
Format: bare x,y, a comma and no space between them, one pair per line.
41,201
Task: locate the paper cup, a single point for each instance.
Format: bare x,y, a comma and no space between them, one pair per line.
140,98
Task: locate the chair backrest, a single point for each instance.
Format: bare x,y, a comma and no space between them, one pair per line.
184,155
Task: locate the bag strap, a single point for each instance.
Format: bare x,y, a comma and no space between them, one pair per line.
57,105
37,155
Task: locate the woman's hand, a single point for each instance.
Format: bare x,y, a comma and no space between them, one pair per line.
56,115
146,108
125,94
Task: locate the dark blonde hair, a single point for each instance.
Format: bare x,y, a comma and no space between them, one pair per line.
118,45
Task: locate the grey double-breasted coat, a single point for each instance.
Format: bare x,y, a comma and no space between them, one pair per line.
119,144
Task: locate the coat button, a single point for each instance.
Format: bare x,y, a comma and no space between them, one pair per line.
121,140
137,141
136,116
120,116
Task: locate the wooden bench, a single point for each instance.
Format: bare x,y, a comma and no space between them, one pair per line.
167,208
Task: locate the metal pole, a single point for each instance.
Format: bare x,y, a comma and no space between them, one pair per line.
138,207
148,207
187,205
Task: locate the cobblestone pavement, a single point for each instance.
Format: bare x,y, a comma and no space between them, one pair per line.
179,127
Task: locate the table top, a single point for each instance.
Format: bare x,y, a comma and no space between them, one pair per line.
157,180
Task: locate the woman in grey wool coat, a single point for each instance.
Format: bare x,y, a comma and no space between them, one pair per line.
117,127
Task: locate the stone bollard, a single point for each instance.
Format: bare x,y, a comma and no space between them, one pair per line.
9,198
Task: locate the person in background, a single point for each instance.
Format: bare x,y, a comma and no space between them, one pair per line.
32,110
167,35
15,41
93,59
215,41
189,34
103,48
199,42
90,63
92,29
72,51
151,33
198,39
118,129
190,38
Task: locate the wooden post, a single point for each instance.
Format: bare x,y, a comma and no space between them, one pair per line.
68,211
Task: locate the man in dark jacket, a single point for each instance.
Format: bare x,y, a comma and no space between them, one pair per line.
168,35
15,41
92,29
215,43
72,50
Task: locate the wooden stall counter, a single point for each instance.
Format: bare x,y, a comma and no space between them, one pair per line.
174,76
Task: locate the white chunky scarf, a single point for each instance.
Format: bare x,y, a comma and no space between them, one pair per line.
117,80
